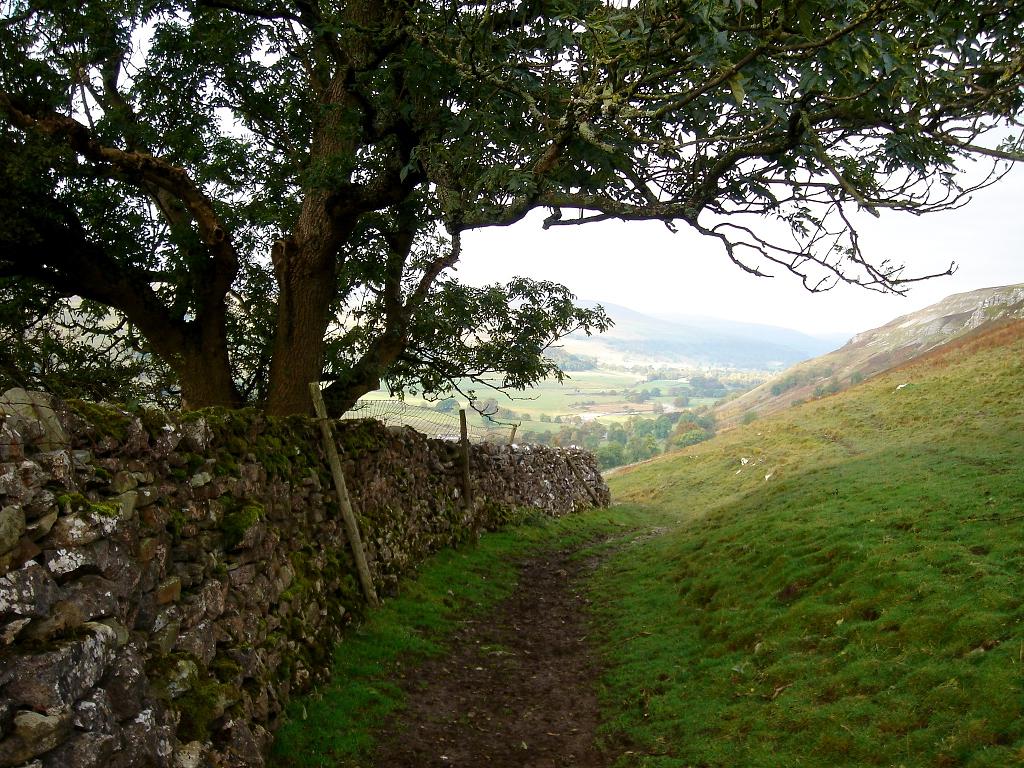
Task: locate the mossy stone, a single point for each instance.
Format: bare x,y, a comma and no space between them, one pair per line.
107,419
238,521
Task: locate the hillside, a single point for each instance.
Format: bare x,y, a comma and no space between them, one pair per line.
693,342
842,587
881,349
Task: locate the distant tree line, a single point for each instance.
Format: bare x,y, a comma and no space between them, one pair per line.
635,439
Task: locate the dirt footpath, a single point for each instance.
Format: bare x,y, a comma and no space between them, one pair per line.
517,689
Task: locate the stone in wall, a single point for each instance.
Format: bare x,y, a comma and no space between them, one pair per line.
167,582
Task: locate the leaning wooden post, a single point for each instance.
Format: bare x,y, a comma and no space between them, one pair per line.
351,526
467,487
512,437
579,476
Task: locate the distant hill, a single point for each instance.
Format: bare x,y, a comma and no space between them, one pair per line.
881,349
772,334
691,341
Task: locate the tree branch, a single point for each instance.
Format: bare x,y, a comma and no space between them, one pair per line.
974,149
140,167
267,12
61,256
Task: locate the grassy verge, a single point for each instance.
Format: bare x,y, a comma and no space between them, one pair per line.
844,587
334,726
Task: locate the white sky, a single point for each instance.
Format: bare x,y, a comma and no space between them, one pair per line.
643,266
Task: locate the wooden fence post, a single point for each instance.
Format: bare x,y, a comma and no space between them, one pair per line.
351,525
467,485
584,483
512,437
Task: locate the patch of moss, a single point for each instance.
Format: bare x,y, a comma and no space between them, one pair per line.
104,508
77,503
350,594
193,461
176,523
300,580
283,671
276,464
282,446
295,590
198,710
225,464
153,419
237,446
239,520
200,707
107,419
225,669
160,667
357,442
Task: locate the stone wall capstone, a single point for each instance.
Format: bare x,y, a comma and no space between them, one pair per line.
168,581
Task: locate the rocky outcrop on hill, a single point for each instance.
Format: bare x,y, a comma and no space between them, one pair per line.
167,582
949,319
880,349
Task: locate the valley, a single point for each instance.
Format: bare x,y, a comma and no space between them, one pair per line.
629,406
835,584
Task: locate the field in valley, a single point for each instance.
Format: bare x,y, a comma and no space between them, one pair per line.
604,395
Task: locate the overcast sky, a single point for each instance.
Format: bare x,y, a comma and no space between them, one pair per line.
642,266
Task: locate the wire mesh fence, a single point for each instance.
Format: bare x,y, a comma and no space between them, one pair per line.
430,422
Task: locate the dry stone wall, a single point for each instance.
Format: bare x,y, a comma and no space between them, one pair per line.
168,582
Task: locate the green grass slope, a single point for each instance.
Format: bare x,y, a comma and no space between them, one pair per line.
844,585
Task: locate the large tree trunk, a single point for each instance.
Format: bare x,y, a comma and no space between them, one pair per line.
204,367
206,382
306,263
305,271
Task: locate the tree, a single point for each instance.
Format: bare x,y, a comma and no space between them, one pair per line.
663,427
610,455
639,427
261,193
447,405
617,434
53,344
640,448
683,438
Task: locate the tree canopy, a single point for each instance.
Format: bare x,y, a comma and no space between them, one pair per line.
231,198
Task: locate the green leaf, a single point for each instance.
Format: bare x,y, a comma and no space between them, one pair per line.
736,86
803,15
